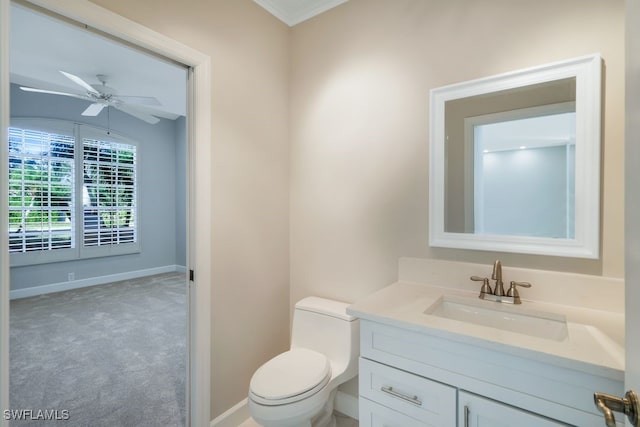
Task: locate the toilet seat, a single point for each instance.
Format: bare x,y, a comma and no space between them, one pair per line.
289,377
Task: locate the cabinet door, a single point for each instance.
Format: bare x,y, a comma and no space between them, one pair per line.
375,415
476,411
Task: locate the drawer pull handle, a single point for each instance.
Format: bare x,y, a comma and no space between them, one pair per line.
414,400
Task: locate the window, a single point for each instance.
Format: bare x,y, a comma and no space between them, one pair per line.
108,193
70,200
41,183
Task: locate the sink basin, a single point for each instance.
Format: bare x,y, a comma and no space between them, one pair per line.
501,316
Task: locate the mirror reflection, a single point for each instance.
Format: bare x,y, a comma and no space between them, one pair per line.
510,161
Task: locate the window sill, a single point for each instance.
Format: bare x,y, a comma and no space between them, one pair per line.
66,255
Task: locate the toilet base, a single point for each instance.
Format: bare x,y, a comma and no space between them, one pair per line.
324,415
326,418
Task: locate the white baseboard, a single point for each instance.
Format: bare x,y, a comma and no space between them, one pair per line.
345,404
92,281
233,417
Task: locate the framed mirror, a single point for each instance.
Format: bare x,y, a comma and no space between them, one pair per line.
515,161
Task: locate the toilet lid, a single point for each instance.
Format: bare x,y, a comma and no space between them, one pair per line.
289,374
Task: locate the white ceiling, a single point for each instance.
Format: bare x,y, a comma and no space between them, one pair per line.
292,12
42,46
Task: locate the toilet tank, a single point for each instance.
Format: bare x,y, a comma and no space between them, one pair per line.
323,325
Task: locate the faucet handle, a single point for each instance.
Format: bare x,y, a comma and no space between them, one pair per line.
485,289
513,292
523,284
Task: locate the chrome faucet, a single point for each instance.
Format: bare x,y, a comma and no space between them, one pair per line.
497,276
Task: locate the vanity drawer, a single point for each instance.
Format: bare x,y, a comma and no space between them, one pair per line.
431,402
374,415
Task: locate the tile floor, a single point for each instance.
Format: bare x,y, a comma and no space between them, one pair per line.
341,421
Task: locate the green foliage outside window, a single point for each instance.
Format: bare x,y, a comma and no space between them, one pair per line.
41,176
42,197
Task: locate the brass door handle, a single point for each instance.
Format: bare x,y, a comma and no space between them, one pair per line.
628,405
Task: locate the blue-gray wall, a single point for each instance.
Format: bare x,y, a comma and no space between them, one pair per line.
161,172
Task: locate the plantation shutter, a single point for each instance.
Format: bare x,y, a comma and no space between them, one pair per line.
41,191
109,193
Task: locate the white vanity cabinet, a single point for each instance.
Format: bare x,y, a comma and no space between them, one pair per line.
477,411
375,415
410,378
391,397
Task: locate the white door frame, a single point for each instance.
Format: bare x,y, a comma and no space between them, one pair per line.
632,198
198,198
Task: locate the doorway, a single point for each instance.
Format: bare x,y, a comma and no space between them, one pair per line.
198,130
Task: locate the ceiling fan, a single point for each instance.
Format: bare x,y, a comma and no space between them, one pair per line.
104,96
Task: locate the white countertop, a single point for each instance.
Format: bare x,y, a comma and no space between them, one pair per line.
595,341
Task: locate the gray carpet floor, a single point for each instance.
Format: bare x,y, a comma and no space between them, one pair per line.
110,355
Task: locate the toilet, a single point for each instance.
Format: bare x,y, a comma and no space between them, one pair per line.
297,388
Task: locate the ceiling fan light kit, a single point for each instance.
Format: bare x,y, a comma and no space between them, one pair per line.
103,96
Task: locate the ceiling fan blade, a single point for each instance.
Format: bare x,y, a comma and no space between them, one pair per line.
93,109
129,109
143,100
150,110
51,92
77,80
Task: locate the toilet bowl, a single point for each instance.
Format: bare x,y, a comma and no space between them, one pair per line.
297,388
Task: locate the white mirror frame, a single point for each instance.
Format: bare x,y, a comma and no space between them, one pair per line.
586,244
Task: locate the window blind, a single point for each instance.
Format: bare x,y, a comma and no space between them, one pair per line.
41,191
109,193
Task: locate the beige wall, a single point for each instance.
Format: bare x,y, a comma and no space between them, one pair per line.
345,95
360,82
250,294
